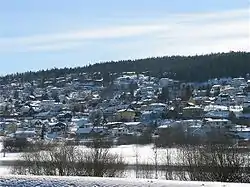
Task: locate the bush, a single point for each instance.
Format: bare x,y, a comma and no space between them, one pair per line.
216,163
16,144
62,160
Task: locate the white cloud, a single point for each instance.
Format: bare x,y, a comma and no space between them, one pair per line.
60,39
189,33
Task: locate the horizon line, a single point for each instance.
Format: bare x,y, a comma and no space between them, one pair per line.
133,60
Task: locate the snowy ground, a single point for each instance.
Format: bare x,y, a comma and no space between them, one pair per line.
30,181
145,154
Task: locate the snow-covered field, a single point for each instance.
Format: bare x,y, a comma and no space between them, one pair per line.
4,170
145,154
30,181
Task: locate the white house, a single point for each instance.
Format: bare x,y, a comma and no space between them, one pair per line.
217,123
224,99
216,111
133,126
241,131
119,131
85,130
157,107
25,134
215,89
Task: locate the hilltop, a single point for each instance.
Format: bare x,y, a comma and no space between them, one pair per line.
185,68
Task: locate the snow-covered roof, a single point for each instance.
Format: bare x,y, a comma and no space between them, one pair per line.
132,123
157,105
236,108
192,107
215,107
242,129
127,110
118,128
216,120
25,132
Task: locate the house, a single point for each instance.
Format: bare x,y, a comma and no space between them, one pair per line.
133,126
240,99
242,132
192,112
25,134
119,131
244,119
237,82
217,123
165,82
80,121
149,117
197,130
228,90
224,99
125,81
157,107
125,115
109,113
216,111
57,127
86,130
236,109
215,90
111,125
45,115
64,117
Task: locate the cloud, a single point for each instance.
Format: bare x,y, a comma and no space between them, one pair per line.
199,32
59,40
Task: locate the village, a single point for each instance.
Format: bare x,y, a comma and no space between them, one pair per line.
130,109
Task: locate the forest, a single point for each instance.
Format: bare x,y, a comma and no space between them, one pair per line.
196,68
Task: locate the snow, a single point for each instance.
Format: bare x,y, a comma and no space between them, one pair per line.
145,156
145,153
42,181
4,170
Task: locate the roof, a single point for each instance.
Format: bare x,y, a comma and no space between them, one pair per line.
132,123
25,132
192,107
216,120
241,129
163,127
126,110
215,107
158,104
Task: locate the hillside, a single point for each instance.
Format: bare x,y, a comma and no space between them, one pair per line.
186,68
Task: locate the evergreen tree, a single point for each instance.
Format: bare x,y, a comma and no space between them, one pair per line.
164,95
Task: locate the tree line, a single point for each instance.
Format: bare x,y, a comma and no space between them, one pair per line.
186,68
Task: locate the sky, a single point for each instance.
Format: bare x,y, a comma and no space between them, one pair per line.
44,34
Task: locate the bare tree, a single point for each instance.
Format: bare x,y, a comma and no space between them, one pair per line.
217,163
62,160
100,162
146,171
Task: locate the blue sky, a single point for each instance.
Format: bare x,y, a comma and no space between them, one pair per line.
57,33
